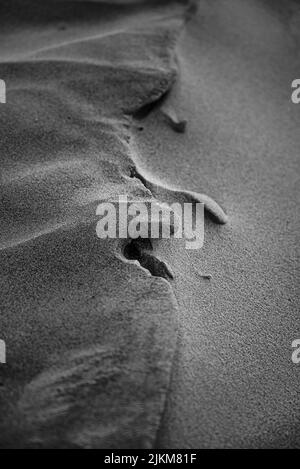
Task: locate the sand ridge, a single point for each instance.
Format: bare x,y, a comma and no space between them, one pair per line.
66,144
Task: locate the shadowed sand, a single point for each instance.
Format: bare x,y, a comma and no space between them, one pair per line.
126,97
90,334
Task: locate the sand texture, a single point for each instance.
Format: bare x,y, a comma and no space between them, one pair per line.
151,346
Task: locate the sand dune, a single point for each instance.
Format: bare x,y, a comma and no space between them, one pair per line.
157,102
84,369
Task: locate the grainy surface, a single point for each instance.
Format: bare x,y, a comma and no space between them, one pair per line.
198,101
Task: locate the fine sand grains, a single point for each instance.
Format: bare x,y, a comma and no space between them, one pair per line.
90,337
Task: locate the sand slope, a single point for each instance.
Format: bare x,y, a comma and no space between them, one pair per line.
233,365
126,97
90,337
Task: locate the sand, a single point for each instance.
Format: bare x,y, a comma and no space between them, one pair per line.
153,100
